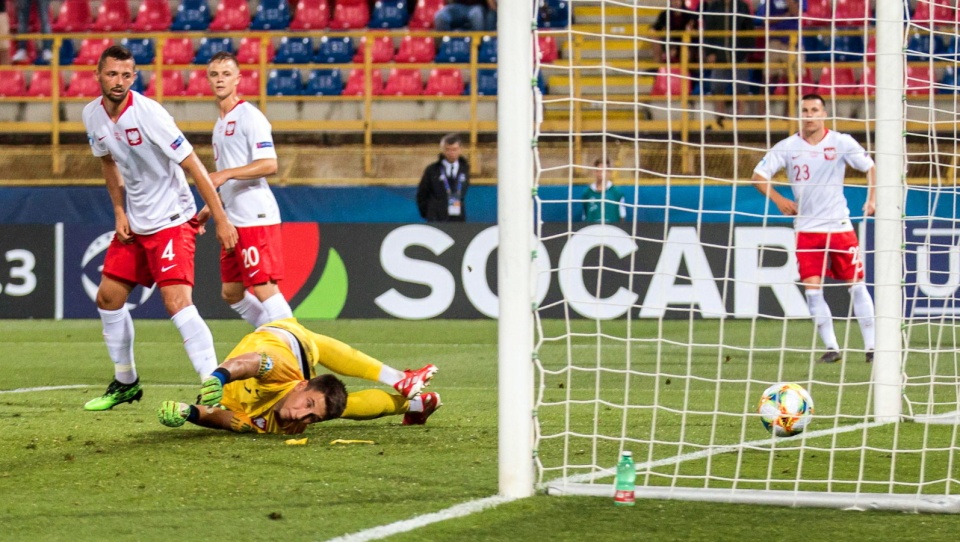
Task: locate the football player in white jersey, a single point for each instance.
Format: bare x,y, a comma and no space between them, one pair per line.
815,160
245,156
143,156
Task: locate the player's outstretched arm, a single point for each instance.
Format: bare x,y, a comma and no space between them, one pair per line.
787,207
176,414
114,180
226,232
241,367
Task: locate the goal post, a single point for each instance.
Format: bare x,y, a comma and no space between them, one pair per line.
657,333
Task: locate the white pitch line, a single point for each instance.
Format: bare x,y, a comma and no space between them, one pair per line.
406,525
81,386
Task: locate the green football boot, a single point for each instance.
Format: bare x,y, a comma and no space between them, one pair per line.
116,393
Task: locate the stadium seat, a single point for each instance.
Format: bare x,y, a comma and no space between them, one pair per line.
191,15
249,51
324,83
284,83
355,83
90,50
382,50
487,54
138,84
919,80
74,16
852,13
669,83
804,79
868,82
211,46
919,47
83,85
311,15
12,84
553,14
453,50
542,84
112,16
424,13
819,13
294,51
172,84
948,83
334,50
153,16
177,51
350,15
848,48
487,82
389,14
67,54
872,48
231,15
40,85
940,12
197,84
404,83
444,82
814,48
143,50
548,49
416,50
249,83
837,81
271,15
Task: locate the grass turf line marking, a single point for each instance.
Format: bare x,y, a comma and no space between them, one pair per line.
46,388
406,525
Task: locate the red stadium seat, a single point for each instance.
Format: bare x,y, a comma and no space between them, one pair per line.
837,81
231,15
249,83
669,83
868,82
424,13
404,83
90,51
819,13
548,49
416,50
805,79
112,16
74,16
355,83
382,50
852,12
197,84
40,85
919,80
178,51
12,83
311,15
444,82
940,11
172,84
83,84
249,51
350,14
153,15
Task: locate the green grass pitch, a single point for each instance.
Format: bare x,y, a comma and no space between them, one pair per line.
67,474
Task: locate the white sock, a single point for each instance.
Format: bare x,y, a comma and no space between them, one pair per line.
390,376
416,404
822,318
276,308
197,340
250,309
863,310
118,334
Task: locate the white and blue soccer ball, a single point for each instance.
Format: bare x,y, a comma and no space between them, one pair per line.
786,409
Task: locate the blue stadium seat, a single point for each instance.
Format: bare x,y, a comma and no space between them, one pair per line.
389,14
334,51
919,47
284,83
553,14
143,50
211,46
815,49
294,51
191,15
324,83
949,48
488,50
848,48
138,84
271,15
67,54
542,83
453,50
486,82
948,85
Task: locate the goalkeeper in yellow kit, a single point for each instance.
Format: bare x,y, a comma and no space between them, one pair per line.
269,384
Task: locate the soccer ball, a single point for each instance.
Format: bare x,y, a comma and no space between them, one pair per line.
785,409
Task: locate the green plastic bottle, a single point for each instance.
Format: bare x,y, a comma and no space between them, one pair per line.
626,480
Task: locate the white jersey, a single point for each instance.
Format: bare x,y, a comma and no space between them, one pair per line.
815,173
241,137
148,148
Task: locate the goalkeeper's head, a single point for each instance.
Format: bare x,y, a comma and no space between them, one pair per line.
310,401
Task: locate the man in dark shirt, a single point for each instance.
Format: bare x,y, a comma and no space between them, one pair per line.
732,17
675,18
443,187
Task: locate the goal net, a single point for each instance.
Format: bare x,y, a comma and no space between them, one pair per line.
665,305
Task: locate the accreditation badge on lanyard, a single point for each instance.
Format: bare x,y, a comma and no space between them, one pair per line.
454,199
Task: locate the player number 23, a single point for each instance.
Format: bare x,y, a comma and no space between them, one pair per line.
801,173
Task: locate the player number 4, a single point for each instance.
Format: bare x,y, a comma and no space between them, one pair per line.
168,251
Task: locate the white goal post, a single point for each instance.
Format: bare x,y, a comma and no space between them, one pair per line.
657,333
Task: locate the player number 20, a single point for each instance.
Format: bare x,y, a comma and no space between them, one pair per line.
251,257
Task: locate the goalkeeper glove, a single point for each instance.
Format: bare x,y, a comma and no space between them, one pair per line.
211,390
173,414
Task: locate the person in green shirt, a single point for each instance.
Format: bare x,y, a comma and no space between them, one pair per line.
603,203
